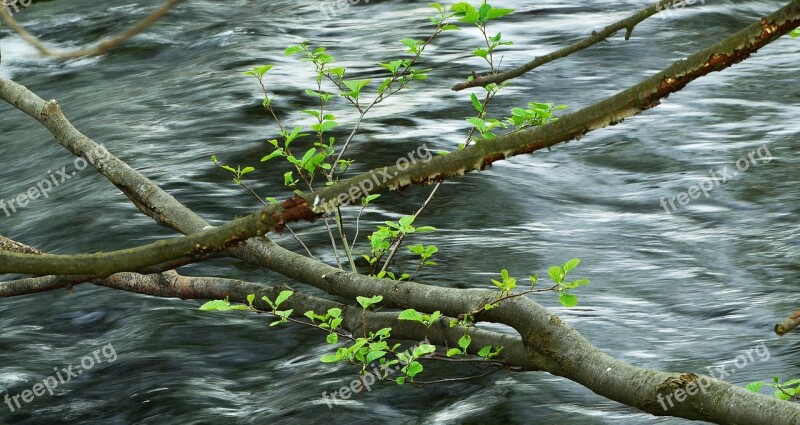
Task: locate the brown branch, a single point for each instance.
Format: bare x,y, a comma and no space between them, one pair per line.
627,24
788,324
100,48
34,285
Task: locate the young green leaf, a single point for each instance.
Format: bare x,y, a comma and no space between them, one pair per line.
367,302
410,314
571,264
453,352
283,296
755,386
567,300
464,342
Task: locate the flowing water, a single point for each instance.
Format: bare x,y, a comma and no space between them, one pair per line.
682,291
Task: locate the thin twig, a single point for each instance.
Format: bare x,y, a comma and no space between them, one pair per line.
100,48
596,37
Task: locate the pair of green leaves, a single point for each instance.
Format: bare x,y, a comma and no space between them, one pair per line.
559,274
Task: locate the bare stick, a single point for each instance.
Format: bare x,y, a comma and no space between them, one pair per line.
100,48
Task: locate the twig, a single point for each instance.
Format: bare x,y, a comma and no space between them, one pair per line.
596,37
90,51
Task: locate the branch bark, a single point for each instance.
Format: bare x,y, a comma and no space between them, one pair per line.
627,24
100,48
788,324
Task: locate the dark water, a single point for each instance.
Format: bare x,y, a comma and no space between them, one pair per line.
678,291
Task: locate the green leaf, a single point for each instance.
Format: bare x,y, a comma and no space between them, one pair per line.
476,103
424,349
567,300
374,355
324,126
307,157
467,13
556,274
291,50
366,302
274,153
221,305
754,386
355,87
268,301
311,112
385,85
477,123
453,352
425,229
464,342
497,13
413,369
485,351
332,338
401,380
482,53
331,359
251,298
410,314
412,44
406,220
336,71
571,264
283,296
288,180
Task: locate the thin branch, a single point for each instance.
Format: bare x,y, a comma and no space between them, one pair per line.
403,236
100,48
628,24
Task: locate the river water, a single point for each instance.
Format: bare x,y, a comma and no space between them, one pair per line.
681,291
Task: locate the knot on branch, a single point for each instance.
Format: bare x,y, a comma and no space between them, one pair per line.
294,209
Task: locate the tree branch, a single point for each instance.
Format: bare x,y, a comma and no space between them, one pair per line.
628,24
100,48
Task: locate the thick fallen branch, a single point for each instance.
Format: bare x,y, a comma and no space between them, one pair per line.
627,24
100,48
632,101
33,285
